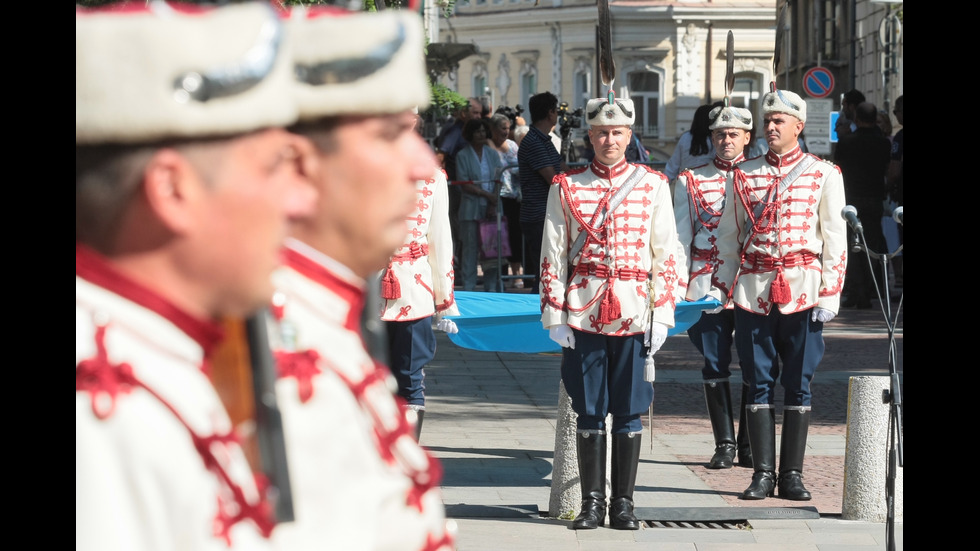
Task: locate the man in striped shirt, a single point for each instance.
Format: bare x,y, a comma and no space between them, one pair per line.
538,162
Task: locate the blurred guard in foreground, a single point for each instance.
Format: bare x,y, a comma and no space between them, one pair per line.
360,479
184,186
608,277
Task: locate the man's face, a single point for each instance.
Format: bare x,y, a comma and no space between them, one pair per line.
781,131
476,110
367,189
729,142
610,142
253,188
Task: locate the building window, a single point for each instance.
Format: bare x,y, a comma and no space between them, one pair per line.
529,83
645,92
583,79
480,80
479,85
831,17
747,92
823,26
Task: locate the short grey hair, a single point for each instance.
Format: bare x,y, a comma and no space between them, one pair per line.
498,120
520,131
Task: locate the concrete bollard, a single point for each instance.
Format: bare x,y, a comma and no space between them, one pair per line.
566,493
866,454
566,490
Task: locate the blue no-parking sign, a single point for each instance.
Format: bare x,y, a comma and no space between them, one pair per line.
818,82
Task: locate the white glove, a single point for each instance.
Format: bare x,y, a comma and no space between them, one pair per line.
822,314
447,326
562,334
656,336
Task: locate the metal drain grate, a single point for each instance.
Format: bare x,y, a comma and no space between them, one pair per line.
712,525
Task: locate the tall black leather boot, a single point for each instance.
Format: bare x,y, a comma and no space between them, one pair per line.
625,462
418,424
761,421
591,449
743,448
792,448
718,396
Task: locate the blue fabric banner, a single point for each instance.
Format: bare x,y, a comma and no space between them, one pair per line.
511,322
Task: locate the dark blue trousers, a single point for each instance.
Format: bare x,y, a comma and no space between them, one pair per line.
764,342
411,346
604,375
713,336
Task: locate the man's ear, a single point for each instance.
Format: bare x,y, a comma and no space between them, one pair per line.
171,187
308,158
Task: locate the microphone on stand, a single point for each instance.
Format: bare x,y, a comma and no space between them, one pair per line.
897,215
849,213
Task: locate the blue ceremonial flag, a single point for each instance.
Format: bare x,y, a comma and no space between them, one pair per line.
511,322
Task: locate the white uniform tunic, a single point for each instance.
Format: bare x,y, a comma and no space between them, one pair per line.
629,264
419,279
788,235
700,197
156,465
359,479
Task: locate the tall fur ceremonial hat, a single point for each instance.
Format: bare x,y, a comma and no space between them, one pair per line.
358,62
730,117
151,71
603,112
784,101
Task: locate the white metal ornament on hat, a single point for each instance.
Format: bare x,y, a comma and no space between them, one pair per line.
234,78
350,69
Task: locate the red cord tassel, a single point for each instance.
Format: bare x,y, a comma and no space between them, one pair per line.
390,288
780,293
609,309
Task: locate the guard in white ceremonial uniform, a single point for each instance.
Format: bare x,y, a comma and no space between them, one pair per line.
353,459
610,267
701,195
417,285
360,480
784,252
157,464
184,191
